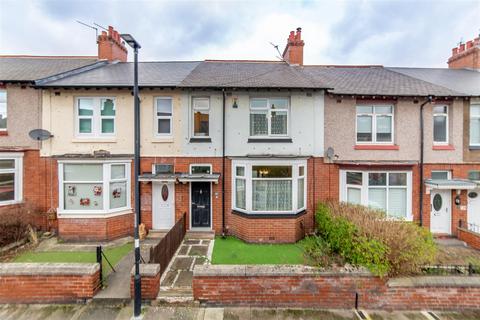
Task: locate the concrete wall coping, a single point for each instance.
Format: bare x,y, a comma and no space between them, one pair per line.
435,281
469,231
147,269
47,269
270,270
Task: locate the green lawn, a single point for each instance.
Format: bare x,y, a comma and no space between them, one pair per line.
234,251
113,254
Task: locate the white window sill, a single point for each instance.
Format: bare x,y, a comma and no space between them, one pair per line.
79,214
94,140
10,202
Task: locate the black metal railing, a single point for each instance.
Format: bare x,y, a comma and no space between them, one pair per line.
469,226
164,251
100,256
442,270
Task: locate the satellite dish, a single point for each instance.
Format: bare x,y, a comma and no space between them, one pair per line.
40,134
330,153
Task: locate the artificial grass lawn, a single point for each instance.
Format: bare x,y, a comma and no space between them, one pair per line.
113,254
231,250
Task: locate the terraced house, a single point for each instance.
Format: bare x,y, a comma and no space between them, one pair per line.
250,147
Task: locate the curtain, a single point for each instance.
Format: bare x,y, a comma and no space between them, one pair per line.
279,122
240,193
301,193
354,195
377,198
397,202
258,123
272,195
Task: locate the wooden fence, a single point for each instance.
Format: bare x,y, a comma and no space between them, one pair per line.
163,252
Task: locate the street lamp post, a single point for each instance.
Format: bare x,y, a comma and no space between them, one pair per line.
137,305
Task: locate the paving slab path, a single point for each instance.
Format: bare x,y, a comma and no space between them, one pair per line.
176,282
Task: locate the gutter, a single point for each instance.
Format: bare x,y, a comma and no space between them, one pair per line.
422,142
223,162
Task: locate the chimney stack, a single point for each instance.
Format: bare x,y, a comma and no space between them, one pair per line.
111,47
293,53
466,56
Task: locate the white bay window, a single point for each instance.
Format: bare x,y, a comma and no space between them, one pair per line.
89,187
389,191
269,186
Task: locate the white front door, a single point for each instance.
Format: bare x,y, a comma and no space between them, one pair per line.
441,211
473,213
163,205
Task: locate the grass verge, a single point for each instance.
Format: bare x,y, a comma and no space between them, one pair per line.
114,255
231,250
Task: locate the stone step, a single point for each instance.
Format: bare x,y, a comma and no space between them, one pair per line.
209,235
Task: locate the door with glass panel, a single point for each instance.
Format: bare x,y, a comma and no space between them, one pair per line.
163,215
200,198
440,212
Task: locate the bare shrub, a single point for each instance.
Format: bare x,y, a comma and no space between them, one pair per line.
15,221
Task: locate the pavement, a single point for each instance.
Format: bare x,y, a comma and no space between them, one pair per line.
97,311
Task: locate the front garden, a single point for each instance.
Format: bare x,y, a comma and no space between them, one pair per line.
350,237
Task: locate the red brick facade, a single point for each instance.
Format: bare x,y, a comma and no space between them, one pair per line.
40,175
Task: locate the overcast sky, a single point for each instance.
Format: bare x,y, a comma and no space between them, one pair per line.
392,33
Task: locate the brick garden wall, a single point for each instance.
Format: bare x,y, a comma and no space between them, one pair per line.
48,282
470,237
296,286
150,282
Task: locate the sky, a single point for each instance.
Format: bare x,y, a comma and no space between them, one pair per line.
391,33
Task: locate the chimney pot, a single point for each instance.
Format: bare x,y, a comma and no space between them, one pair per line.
454,51
469,44
461,48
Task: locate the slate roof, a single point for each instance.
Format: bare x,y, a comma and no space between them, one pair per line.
248,74
154,74
348,80
30,68
374,80
461,80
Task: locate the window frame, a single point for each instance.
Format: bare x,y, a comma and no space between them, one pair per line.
374,116
107,179
6,108
193,116
200,165
269,110
248,164
445,115
449,173
156,117
18,176
96,118
470,124
364,188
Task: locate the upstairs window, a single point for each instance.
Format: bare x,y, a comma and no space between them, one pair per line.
95,117
269,117
440,124
375,124
163,114
441,175
474,175
3,110
475,125
201,117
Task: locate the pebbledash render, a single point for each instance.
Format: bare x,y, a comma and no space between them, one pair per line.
249,148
